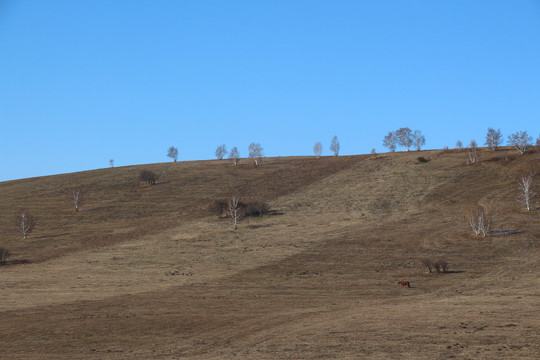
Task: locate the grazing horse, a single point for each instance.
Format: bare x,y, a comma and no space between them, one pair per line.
404,283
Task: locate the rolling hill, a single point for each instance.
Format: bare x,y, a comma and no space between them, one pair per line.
150,272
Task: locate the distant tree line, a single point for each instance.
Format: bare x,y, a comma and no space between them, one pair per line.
405,138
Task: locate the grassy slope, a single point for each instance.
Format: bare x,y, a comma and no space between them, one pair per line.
147,272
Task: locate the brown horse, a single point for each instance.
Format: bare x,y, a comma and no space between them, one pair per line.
404,283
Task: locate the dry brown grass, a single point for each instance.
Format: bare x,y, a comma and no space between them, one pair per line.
148,272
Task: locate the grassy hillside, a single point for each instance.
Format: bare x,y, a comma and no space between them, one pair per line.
149,272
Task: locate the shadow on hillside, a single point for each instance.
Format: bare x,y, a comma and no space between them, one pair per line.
275,212
98,208
505,232
455,272
15,262
259,226
49,236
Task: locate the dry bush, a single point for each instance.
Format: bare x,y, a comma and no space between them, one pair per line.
422,159
148,177
254,208
249,208
4,254
219,207
428,263
441,266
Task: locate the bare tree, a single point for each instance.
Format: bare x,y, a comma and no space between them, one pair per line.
526,192
493,138
25,222
404,137
480,221
255,152
4,254
459,145
390,141
334,146
221,151
472,153
234,155
148,177
235,211
317,149
374,153
538,141
111,163
76,197
418,139
520,140
172,152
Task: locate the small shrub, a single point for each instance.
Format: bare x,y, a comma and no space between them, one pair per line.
219,207
254,208
4,254
422,159
441,265
428,263
148,177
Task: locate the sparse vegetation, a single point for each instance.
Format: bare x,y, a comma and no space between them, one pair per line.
334,146
418,140
234,211
234,155
428,263
472,153
326,231
317,149
441,265
390,141
221,151
252,208
25,222
520,141
4,254
480,221
76,197
526,192
459,145
256,153
404,137
172,152
493,138
219,207
422,159
148,177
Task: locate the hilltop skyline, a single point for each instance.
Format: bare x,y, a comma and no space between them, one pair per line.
85,82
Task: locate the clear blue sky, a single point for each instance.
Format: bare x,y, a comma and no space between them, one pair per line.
85,81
